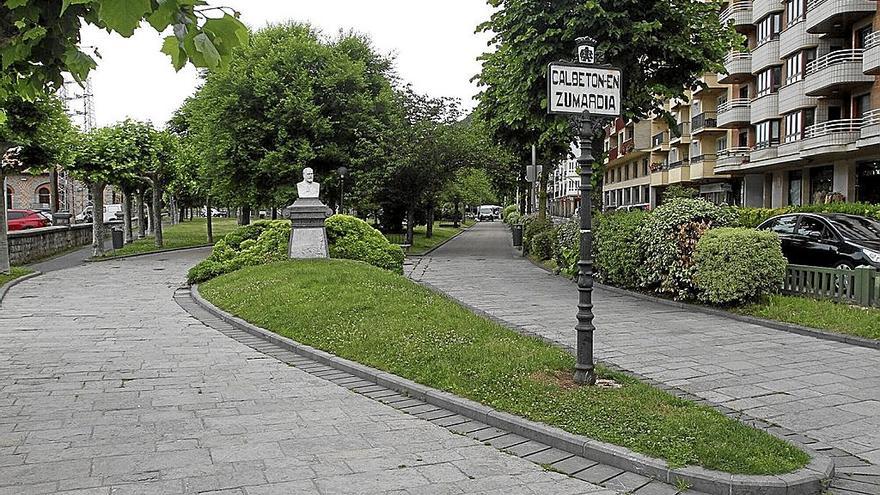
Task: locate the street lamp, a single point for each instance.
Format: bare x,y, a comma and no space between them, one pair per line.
342,171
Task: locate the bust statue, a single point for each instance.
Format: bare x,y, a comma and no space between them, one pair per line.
308,188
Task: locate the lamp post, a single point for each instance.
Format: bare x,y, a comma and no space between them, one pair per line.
342,171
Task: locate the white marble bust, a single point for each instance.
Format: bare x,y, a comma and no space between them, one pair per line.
308,188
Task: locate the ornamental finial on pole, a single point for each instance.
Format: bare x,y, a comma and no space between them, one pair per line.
586,50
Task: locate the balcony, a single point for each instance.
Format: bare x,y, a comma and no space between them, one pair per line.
612,154
739,14
703,166
680,133
835,71
764,151
731,159
766,55
734,113
659,174
792,97
795,38
871,58
869,134
763,8
765,108
626,147
832,16
738,66
679,171
833,136
705,122
660,141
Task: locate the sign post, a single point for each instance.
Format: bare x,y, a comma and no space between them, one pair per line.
584,89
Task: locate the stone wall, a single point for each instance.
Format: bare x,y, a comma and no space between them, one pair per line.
29,245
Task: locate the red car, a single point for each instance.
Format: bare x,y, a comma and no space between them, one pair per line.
25,219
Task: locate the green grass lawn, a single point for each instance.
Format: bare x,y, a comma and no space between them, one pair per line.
17,271
385,321
422,244
187,234
825,315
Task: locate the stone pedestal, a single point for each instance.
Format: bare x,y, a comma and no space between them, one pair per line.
308,237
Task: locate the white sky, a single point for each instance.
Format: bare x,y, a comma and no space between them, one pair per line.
435,44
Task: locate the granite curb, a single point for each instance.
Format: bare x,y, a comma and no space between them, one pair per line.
775,325
12,283
138,255
809,480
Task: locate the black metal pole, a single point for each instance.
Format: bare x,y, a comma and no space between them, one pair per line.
584,372
341,192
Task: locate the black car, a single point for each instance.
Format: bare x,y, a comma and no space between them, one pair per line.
827,239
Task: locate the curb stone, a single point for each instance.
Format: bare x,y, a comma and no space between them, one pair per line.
806,481
12,283
775,325
138,255
426,253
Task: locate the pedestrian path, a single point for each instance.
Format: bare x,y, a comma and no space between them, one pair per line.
826,390
107,386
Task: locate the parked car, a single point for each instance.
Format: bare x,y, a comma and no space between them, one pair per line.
488,213
827,239
109,213
25,219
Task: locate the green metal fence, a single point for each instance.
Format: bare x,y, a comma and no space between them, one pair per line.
860,286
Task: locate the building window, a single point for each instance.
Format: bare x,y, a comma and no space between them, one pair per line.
794,68
769,28
795,180
645,167
861,36
626,172
861,105
868,182
720,144
43,195
768,81
793,127
767,134
794,11
10,194
821,183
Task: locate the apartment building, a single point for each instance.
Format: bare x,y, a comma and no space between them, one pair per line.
563,189
794,120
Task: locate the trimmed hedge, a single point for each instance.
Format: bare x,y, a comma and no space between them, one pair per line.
542,244
354,239
566,250
618,251
507,211
532,226
752,217
737,265
667,240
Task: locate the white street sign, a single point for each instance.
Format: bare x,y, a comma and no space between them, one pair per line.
573,88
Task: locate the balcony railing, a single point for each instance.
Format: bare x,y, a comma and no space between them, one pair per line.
737,56
735,103
872,40
702,158
736,8
853,55
833,126
871,117
627,146
705,119
659,139
680,163
657,167
682,129
612,154
772,143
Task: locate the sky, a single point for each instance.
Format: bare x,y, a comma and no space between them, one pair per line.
434,43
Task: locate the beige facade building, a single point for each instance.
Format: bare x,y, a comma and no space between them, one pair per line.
794,120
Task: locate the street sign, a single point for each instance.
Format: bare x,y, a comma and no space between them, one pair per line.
574,88
532,173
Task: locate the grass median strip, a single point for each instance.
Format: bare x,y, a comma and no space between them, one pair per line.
190,233
814,313
385,321
15,273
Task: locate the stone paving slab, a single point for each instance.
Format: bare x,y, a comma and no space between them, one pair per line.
108,386
827,391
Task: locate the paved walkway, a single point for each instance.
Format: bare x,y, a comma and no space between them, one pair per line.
108,387
829,391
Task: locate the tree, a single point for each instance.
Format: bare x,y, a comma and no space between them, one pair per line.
41,40
291,99
470,186
662,47
35,135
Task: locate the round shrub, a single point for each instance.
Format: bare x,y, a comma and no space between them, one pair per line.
566,251
532,228
542,245
618,253
668,238
261,242
513,218
354,239
736,265
507,211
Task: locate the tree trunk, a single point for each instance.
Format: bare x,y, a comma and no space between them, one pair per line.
53,189
209,220
142,215
542,192
274,213
429,229
410,220
245,217
126,216
157,211
98,219
4,240
181,214
456,216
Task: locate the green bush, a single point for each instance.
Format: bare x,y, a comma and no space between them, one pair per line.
261,242
567,248
752,217
618,253
737,265
513,218
679,191
507,211
532,227
352,238
542,245
667,240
